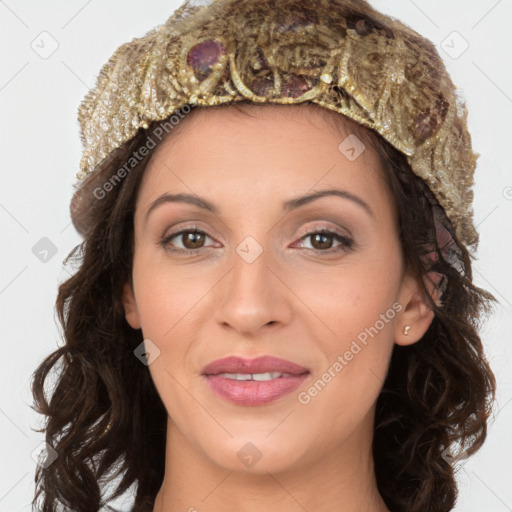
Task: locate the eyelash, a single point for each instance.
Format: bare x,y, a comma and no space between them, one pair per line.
347,244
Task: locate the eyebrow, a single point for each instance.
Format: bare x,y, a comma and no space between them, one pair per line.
344,194
287,205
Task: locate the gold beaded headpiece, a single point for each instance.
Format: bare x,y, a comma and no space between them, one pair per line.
339,54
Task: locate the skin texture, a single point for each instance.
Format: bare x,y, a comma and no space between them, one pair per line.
293,301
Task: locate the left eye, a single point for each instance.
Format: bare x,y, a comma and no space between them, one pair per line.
322,240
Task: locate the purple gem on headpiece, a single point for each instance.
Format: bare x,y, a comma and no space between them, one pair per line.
426,123
296,86
204,55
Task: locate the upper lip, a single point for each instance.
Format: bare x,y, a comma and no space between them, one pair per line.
263,364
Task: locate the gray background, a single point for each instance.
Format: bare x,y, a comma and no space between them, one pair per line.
40,152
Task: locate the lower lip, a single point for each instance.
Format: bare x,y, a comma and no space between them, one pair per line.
251,392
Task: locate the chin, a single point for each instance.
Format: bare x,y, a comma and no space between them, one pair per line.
256,454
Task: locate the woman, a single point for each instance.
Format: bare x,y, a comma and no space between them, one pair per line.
274,306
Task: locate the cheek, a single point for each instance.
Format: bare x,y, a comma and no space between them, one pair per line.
165,294
350,318
168,309
347,298
174,302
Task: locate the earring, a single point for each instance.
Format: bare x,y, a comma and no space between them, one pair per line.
406,329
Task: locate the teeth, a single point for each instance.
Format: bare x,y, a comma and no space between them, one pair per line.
254,376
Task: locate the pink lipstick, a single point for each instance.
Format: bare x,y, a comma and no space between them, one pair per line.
254,381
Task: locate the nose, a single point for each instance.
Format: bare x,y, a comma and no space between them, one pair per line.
253,296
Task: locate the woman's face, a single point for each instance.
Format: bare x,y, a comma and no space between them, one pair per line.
254,280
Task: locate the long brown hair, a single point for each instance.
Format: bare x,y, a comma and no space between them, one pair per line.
438,393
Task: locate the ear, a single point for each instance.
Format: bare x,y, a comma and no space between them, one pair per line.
130,307
416,311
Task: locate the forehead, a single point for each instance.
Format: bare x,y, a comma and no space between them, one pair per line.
281,150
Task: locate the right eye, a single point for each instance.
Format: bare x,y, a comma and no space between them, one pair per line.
191,240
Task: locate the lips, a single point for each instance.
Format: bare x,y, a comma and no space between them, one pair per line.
289,376
263,364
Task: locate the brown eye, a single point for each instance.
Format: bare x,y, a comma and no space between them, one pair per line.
189,239
322,240
192,239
